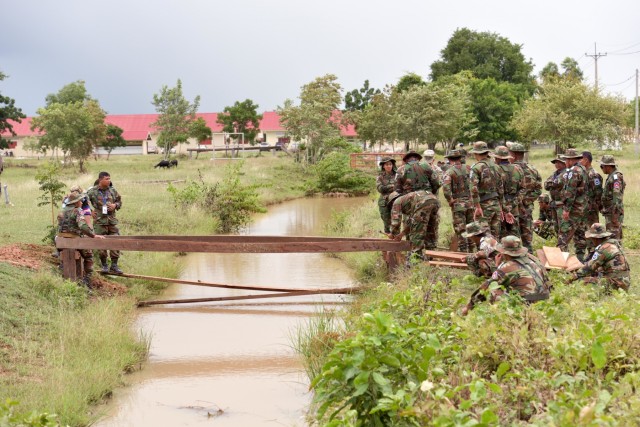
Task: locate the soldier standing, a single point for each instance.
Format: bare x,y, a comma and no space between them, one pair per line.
486,188
416,175
608,265
532,184
554,185
574,204
518,272
384,184
594,191
456,186
613,197
429,156
482,263
421,225
106,201
512,181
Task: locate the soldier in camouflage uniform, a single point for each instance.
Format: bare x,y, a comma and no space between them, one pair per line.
594,194
482,263
554,185
421,223
532,184
429,156
613,197
416,175
385,184
513,190
456,186
608,265
574,204
106,201
518,272
72,225
545,226
487,189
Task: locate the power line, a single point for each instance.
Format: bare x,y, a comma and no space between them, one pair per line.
622,82
625,48
626,53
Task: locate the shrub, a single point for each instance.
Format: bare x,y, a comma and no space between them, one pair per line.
335,175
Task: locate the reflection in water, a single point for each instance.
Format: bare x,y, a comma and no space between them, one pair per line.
231,364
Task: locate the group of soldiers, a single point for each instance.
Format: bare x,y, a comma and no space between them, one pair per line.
492,205
92,214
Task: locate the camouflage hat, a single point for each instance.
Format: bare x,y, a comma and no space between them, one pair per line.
409,154
558,159
392,198
386,160
480,147
75,197
571,153
429,154
502,152
598,231
474,228
544,198
453,153
511,245
77,189
607,160
516,147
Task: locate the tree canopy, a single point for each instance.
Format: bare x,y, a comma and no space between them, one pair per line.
358,99
72,92
241,117
176,116
113,139
8,111
570,70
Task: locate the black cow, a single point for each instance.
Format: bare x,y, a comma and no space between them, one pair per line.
163,164
174,163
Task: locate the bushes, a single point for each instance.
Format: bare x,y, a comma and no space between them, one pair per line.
335,175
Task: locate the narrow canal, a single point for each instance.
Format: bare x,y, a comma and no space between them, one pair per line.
232,364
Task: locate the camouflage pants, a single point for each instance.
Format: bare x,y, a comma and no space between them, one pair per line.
572,228
546,229
460,220
614,226
423,227
507,229
481,267
385,214
107,230
85,261
491,215
526,226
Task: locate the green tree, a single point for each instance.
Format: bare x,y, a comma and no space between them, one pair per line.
176,116
314,121
73,92
243,118
567,112
379,123
200,131
51,187
335,175
408,81
8,111
571,69
494,104
550,71
358,99
113,139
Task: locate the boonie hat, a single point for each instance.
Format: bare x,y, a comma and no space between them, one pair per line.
392,197
453,153
430,154
409,154
511,245
572,153
598,231
607,160
74,197
386,160
516,147
558,159
502,152
480,147
474,228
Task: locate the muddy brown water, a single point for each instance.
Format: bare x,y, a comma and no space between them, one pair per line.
232,364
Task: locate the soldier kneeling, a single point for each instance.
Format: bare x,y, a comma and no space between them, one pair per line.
482,263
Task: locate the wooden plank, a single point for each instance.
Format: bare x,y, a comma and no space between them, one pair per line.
244,287
456,256
543,258
233,298
251,239
447,264
573,263
68,257
180,245
555,257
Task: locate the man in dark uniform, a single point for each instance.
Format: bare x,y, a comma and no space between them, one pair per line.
456,186
613,196
574,204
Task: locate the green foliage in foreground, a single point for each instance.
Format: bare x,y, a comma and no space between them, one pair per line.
8,418
571,360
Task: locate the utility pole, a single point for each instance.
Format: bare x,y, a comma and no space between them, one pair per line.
596,55
636,132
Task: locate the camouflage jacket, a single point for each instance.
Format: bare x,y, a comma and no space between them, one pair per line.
610,259
512,181
486,182
456,186
411,204
532,183
546,214
415,176
100,198
385,184
574,192
613,193
594,190
523,274
554,185
488,245
72,220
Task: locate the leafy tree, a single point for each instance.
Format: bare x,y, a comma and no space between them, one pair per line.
200,131
176,116
113,139
379,122
52,188
494,104
335,175
358,99
550,71
567,113
314,120
8,111
570,70
486,55
243,118
408,81
72,124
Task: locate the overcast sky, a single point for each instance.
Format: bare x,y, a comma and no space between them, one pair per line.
227,51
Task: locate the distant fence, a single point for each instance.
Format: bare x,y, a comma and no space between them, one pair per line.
370,161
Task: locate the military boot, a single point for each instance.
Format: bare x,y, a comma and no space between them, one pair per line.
104,267
114,268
